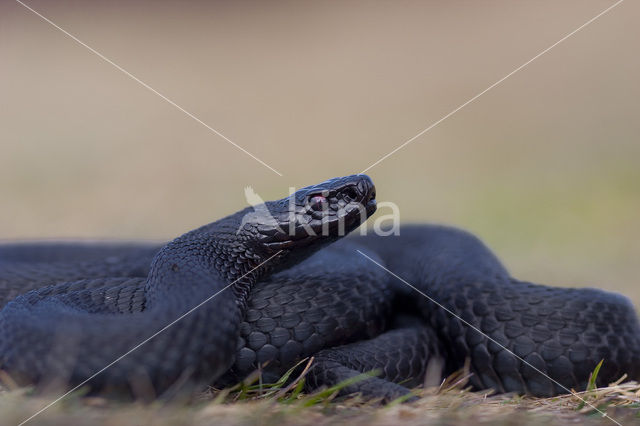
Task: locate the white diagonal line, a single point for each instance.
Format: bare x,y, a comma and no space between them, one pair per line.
493,85
101,56
489,337
144,341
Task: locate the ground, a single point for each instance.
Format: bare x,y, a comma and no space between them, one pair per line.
255,404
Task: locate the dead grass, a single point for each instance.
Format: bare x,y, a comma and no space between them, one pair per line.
252,403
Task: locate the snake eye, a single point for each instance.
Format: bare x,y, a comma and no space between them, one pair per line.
350,193
317,202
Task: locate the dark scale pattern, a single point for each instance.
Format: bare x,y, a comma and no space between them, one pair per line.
91,303
401,356
60,263
81,307
312,306
562,332
98,295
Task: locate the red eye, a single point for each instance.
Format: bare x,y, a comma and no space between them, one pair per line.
317,201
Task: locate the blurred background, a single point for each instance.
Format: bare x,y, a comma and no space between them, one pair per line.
544,167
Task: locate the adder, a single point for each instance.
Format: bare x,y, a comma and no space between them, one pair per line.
266,287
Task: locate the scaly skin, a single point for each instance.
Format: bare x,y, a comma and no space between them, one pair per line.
351,315
68,332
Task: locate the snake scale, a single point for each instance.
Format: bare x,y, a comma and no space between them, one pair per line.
267,287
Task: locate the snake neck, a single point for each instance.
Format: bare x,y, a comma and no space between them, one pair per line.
207,260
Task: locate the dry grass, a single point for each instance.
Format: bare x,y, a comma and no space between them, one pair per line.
620,402
258,404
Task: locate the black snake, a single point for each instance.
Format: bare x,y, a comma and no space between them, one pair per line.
262,288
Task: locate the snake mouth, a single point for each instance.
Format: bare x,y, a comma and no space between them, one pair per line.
371,206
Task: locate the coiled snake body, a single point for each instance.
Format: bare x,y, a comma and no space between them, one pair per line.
264,289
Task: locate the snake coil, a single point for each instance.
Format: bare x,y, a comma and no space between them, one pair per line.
264,286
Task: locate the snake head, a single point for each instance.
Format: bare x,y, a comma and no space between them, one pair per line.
315,215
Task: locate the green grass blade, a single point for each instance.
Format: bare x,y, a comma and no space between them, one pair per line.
591,385
329,393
